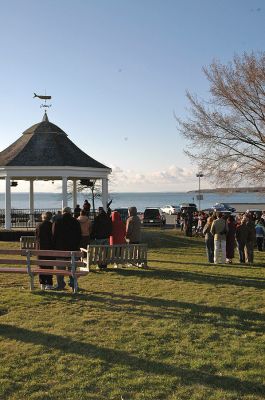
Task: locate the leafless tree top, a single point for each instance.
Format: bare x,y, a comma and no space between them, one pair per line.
226,133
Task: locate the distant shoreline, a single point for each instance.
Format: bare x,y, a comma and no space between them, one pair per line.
231,190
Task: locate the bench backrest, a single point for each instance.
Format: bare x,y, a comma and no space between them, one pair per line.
27,242
124,253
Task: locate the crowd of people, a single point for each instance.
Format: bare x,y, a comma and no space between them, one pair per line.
67,231
225,233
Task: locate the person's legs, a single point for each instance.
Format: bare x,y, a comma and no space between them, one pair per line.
60,279
223,251
210,250
260,243
249,250
241,251
217,245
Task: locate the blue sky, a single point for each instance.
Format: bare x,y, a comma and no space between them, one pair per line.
117,72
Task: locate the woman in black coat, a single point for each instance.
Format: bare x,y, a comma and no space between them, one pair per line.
230,239
44,242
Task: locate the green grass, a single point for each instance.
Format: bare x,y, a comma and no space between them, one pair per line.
181,329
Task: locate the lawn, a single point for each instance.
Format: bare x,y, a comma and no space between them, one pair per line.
180,330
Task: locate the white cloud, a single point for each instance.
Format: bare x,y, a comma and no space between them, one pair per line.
173,178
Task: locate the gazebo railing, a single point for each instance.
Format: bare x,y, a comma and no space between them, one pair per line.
23,218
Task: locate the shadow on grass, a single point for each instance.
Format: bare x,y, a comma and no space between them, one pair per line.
244,320
231,318
180,275
207,264
154,240
119,357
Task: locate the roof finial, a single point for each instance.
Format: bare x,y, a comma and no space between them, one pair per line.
45,117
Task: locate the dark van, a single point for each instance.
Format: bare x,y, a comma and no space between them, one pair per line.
153,217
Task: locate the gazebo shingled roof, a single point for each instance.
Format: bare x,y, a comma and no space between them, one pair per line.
45,144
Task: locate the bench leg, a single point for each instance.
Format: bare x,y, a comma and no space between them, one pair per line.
75,286
31,282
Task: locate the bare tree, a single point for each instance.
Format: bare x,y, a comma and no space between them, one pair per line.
226,133
91,187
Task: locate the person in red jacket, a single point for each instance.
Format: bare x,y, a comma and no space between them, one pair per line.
118,229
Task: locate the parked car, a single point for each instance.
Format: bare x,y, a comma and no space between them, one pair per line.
169,209
188,207
153,216
223,207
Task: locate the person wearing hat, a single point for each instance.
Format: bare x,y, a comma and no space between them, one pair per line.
66,236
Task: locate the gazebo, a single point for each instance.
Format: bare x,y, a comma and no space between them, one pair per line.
44,152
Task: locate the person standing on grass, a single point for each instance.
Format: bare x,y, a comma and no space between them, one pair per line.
44,241
251,239
118,229
260,233
219,230
133,227
209,240
86,227
66,236
101,230
118,232
241,238
230,239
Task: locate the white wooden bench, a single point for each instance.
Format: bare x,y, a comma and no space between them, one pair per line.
28,263
28,242
96,254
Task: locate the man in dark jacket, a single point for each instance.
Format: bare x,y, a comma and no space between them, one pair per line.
66,236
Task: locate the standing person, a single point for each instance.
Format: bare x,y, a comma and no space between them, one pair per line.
118,229
43,235
66,236
133,227
118,232
77,211
86,207
86,227
251,239
230,239
101,230
219,230
209,240
260,233
241,238
57,216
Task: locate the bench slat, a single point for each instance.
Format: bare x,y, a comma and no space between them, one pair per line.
14,270
53,253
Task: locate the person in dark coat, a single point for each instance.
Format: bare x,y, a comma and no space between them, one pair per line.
86,207
66,236
77,211
101,230
251,239
241,238
209,240
230,239
43,234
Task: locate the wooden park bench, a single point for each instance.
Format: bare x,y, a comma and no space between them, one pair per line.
26,262
28,242
96,254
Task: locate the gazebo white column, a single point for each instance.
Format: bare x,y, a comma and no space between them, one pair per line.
64,191
74,195
7,204
104,193
31,196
